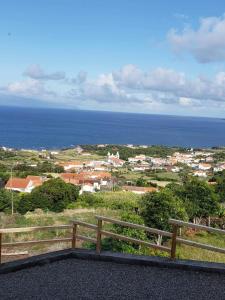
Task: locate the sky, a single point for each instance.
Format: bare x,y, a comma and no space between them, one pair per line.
142,56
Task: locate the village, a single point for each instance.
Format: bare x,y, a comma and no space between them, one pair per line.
93,172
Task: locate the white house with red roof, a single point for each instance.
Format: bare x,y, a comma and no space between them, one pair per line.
24,185
19,185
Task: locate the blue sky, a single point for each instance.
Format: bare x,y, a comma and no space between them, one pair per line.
165,57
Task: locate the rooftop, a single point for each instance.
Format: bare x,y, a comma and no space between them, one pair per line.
15,182
75,278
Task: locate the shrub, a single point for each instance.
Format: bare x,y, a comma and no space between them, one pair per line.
54,195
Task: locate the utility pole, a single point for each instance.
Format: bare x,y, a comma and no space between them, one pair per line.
12,200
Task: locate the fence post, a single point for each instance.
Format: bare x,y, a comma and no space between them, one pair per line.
99,236
0,247
74,236
174,242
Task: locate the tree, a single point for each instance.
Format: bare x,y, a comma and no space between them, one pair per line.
220,186
200,199
158,207
53,195
6,200
141,182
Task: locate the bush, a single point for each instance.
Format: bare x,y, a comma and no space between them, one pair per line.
54,195
6,200
110,244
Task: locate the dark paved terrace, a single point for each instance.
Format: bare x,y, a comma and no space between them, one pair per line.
87,279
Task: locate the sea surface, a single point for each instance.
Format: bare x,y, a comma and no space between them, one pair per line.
58,128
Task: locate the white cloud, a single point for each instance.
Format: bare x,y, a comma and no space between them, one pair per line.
185,101
36,72
206,43
129,89
173,84
28,88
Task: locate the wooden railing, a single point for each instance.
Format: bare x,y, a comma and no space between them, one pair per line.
34,242
176,224
101,232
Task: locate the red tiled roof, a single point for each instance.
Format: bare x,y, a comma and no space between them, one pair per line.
139,188
85,175
36,180
17,183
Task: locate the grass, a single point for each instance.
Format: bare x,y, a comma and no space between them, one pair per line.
168,176
71,154
188,252
41,219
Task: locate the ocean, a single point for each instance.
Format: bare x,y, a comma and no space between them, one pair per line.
36,128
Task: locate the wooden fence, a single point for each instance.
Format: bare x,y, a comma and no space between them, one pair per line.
176,224
175,239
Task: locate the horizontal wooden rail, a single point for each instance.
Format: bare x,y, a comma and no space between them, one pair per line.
195,226
101,232
88,225
32,229
25,243
200,245
35,242
133,240
86,238
177,224
136,226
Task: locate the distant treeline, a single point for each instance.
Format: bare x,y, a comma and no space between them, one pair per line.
125,152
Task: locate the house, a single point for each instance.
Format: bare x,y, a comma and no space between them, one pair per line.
73,165
89,187
204,166
139,189
87,179
19,185
200,173
219,168
24,185
36,180
137,158
143,166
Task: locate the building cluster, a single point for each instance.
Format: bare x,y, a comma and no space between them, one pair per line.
201,163
89,181
95,175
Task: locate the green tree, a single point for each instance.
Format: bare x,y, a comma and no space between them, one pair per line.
220,186
158,207
6,200
200,199
54,195
141,182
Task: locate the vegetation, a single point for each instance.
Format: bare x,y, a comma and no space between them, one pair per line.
199,199
112,200
220,187
56,202
6,199
126,152
110,244
157,208
54,195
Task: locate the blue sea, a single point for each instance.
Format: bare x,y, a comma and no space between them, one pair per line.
58,128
